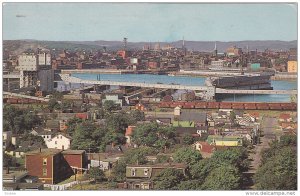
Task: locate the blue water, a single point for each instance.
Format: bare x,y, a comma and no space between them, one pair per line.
193,81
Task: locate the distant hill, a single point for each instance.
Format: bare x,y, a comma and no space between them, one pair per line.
18,46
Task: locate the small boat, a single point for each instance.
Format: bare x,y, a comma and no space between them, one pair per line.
171,75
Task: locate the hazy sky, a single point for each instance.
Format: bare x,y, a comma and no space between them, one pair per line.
149,22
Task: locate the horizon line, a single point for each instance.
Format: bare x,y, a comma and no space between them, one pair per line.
143,41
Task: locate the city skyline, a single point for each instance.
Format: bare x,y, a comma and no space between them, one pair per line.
170,22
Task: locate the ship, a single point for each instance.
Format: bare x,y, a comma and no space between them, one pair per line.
259,81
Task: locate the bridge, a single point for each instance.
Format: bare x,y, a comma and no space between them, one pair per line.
210,91
8,95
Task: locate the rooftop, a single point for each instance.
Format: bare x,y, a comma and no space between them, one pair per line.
45,151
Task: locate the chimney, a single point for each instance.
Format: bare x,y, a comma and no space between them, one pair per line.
40,149
7,170
63,148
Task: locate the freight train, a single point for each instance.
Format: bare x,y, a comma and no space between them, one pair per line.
20,101
230,105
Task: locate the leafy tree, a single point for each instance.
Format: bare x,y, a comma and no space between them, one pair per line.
9,161
138,155
237,157
118,122
168,179
53,104
66,104
162,159
18,120
87,136
97,174
150,134
109,105
189,185
187,155
278,172
34,140
71,124
119,171
225,177
188,139
288,140
200,170
137,115
232,116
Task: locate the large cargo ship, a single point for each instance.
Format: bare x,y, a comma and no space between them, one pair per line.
260,81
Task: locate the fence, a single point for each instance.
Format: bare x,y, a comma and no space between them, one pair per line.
63,187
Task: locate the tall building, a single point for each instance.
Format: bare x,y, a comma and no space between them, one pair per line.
35,71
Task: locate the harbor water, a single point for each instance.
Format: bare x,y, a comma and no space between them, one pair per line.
185,80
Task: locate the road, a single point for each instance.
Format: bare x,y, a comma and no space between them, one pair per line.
267,126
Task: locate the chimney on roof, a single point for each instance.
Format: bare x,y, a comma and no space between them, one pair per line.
40,149
7,170
63,148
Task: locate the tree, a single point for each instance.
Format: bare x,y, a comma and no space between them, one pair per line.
151,134
225,177
119,171
109,105
278,171
168,179
71,124
53,105
97,174
137,115
237,157
188,139
17,120
187,155
200,170
232,116
138,155
87,137
189,185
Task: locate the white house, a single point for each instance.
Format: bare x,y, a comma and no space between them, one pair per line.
59,141
6,138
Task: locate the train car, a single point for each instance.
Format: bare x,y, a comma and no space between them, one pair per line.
213,105
239,106
288,106
12,100
275,106
201,105
189,105
164,104
225,105
262,106
250,106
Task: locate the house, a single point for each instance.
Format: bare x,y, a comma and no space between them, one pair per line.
116,98
228,141
6,138
140,177
140,107
59,141
284,117
52,166
190,119
205,148
76,159
48,165
128,134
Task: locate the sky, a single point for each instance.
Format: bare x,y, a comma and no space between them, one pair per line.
149,21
